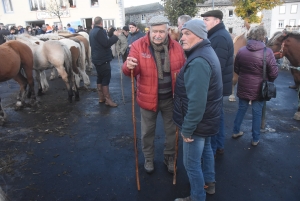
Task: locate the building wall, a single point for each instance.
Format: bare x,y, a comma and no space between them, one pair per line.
137,18
21,15
274,17
231,22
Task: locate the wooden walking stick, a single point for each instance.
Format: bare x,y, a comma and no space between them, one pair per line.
134,134
176,155
176,148
122,89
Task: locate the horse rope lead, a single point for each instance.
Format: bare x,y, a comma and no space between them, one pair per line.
134,134
122,89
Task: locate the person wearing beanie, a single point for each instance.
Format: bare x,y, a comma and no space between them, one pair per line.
197,108
222,43
134,35
155,59
121,45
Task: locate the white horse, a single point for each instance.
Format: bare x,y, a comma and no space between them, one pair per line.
47,55
80,63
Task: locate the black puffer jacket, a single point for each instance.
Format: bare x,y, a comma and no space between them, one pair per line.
222,43
249,66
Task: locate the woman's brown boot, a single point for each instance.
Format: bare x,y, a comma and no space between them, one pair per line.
108,101
100,94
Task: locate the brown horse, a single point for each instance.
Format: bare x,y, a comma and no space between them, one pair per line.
238,42
288,44
16,56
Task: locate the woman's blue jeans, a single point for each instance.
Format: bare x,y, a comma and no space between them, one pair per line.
256,117
199,174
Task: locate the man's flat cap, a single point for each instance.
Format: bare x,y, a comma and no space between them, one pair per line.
158,20
213,13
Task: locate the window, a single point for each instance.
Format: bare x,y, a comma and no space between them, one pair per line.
72,3
230,30
281,9
7,6
94,3
230,13
280,23
143,17
107,23
292,22
294,8
37,5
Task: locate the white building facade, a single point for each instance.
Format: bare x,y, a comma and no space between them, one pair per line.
75,12
286,16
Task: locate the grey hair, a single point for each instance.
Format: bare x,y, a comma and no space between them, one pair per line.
98,20
257,33
184,18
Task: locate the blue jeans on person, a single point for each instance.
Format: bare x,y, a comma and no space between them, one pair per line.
217,141
256,117
199,174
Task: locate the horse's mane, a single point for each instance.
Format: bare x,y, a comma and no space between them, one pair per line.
64,31
275,36
294,34
50,36
237,37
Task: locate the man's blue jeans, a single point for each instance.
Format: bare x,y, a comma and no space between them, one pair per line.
217,141
256,117
199,174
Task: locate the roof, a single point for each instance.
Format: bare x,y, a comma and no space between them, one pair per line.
147,8
209,3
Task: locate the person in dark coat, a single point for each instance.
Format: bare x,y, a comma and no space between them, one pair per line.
134,35
222,43
249,66
3,32
197,108
101,57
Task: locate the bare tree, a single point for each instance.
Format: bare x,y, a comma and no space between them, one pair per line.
56,8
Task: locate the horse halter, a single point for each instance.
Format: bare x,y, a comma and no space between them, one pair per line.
280,52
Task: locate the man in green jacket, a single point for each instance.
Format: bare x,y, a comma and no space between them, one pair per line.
122,43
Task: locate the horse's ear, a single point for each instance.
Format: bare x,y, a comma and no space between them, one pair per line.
37,42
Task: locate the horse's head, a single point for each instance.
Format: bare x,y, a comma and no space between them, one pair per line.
174,33
276,43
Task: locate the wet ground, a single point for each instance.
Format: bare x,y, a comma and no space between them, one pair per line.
85,151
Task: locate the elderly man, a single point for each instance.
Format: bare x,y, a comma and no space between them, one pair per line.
156,59
222,43
181,20
101,57
197,108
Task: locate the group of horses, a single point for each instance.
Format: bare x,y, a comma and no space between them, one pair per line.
68,53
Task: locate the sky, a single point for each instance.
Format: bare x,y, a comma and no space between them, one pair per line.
128,3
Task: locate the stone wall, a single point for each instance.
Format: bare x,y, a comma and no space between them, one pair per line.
137,18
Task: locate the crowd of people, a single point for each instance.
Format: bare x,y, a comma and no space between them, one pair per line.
185,81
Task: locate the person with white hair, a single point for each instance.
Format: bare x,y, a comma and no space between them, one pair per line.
155,59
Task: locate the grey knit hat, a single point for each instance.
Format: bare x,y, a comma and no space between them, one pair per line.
196,26
158,20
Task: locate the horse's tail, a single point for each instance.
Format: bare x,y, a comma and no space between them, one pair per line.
82,67
67,60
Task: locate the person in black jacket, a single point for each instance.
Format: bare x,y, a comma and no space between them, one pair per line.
3,32
222,43
101,57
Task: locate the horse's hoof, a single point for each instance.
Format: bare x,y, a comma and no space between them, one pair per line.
231,98
19,104
2,120
297,116
293,87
